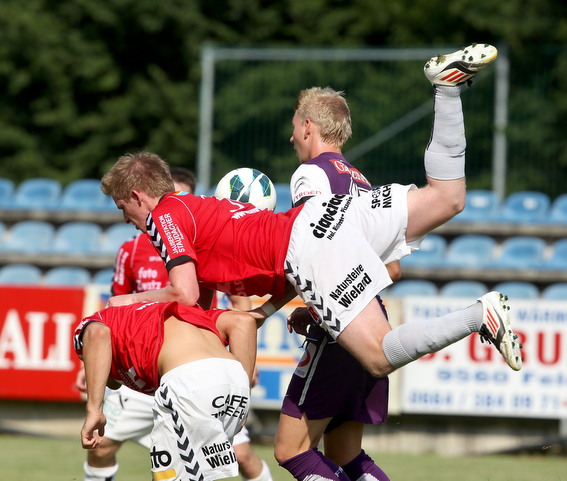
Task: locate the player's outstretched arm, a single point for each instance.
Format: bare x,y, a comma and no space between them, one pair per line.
97,359
183,288
273,304
239,330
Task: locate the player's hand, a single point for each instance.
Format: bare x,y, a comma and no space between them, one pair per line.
299,320
122,300
93,430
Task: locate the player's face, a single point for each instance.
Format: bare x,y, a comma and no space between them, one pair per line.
133,212
298,138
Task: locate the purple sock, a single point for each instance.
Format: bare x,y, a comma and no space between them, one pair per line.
312,463
363,468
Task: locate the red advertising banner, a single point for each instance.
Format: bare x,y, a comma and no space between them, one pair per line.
37,359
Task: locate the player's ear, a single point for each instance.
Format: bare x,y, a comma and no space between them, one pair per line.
136,196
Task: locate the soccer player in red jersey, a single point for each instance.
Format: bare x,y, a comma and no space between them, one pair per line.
178,354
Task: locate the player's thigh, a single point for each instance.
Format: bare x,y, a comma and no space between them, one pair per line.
344,443
297,435
105,455
363,338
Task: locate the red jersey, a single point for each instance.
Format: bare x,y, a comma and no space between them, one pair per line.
237,248
137,332
138,267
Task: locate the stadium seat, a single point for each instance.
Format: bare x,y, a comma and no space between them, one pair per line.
103,277
283,199
431,253
37,193
6,192
115,236
78,238
518,290
558,258
83,194
20,274
481,206
413,287
555,292
67,276
463,288
525,206
28,237
470,251
521,252
558,210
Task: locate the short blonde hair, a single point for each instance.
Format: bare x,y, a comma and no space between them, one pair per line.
328,110
144,171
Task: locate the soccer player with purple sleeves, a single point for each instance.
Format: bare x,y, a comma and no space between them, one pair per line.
313,407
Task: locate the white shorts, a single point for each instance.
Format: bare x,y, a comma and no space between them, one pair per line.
129,416
338,249
198,409
241,437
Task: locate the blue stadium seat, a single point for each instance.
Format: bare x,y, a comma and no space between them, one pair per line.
78,238
37,193
412,287
525,206
470,251
463,288
115,236
558,210
20,274
283,199
83,194
481,206
555,292
6,192
558,258
103,277
67,276
431,253
518,289
28,237
521,252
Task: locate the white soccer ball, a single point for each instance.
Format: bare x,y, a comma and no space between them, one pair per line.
247,185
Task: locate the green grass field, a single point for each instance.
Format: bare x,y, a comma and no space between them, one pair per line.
26,458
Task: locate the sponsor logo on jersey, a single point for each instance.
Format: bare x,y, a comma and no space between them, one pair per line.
342,168
232,405
382,197
333,217
219,454
352,286
172,233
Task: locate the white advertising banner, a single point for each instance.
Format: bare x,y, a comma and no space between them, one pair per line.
472,378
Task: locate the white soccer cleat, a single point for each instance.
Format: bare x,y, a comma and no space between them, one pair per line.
458,67
496,328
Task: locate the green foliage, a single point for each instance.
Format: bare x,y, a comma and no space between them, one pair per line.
84,81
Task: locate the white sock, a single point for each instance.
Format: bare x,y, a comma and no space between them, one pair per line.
265,475
445,154
99,474
410,341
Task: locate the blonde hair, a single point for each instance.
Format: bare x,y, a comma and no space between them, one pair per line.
144,171
328,110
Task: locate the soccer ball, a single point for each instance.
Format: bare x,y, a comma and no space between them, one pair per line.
247,185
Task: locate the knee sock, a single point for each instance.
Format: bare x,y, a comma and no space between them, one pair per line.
445,154
99,474
363,468
410,341
265,475
311,465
